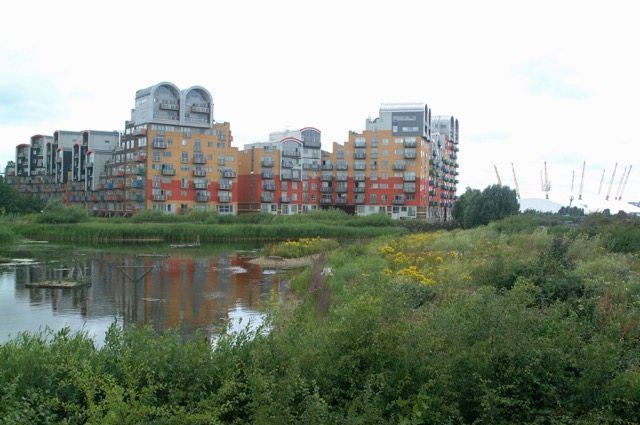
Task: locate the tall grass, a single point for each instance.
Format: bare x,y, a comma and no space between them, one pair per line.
6,234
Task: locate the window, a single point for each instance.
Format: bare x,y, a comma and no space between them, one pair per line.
166,154
156,156
373,198
185,157
184,142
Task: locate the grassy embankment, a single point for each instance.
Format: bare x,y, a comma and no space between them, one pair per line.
508,323
205,226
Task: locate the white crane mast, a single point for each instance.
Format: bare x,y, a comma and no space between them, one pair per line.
613,176
601,181
515,181
624,185
497,175
584,164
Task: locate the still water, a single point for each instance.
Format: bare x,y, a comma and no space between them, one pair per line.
208,288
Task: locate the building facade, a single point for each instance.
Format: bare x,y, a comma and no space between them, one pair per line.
281,176
172,157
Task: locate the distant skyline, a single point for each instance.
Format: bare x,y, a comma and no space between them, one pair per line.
528,81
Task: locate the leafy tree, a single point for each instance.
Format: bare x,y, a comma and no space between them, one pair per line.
12,202
572,211
493,203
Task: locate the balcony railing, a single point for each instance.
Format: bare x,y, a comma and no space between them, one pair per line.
398,200
359,199
171,106
284,199
314,144
409,177
409,188
168,171
200,185
199,159
341,189
358,189
326,189
285,175
159,198
200,109
199,172
228,174
159,144
266,197
269,186
287,164
359,178
267,174
359,155
311,167
327,166
267,162
341,178
341,200
326,177
409,154
409,143
399,166
224,186
203,197
224,197
360,143
342,166
140,157
291,153
325,200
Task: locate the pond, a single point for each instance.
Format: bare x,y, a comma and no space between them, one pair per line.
207,288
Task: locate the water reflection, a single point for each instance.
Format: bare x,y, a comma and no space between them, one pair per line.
183,291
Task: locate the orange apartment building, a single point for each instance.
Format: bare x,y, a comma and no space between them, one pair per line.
281,176
172,157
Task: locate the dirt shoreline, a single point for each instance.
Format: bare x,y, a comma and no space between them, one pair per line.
272,262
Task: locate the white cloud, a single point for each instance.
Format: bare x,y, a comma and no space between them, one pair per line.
528,81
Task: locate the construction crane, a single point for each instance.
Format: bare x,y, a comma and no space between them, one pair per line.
601,181
584,164
624,185
515,181
622,176
497,175
573,179
613,176
546,187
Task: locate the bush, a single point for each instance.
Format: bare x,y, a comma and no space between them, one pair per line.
57,213
302,247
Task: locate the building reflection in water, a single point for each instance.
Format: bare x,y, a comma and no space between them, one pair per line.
181,291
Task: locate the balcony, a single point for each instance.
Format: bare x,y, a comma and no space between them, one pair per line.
203,197
224,186
326,189
313,144
201,109
325,200
287,164
399,166
341,200
341,178
168,171
409,154
409,188
341,188
228,174
139,132
157,198
359,155
266,197
398,200
326,177
327,166
266,162
359,199
200,185
358,189
409,143
140,171
267,174
359,177
409,177
140,157
285,175
360,143
159,144
224,197
169,106
199,172
359,167
342,166
199,159
284,199
291,153
314,167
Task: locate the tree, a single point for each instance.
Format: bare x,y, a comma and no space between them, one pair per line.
475,208
12,202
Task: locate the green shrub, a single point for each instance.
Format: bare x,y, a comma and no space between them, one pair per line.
301,248
57,213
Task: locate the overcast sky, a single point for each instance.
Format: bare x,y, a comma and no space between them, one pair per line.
529,81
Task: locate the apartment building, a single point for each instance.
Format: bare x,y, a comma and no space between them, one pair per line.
398,165
172,157
281,175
